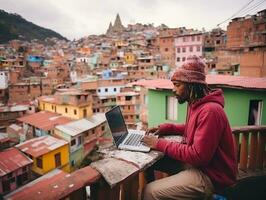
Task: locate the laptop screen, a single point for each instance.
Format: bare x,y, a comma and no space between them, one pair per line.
116,124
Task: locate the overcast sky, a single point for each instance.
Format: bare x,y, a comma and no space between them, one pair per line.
79,18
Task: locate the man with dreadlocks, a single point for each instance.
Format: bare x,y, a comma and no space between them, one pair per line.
206,160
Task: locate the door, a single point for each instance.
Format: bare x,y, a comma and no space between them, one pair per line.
57,159
255,112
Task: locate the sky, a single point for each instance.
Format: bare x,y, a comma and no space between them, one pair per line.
74,19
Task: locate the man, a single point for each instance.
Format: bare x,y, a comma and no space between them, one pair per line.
206,160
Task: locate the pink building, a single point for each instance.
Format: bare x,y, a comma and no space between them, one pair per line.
15,169
186,45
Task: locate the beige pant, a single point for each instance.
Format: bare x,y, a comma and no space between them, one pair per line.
188,184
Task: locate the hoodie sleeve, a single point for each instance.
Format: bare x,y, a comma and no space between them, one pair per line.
172,129
206,139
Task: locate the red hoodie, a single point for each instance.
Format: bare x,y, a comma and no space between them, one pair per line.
209,143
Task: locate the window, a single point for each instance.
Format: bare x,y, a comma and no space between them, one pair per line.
65,110
75,112
39,162
178,50
184,59
171,107
73,142
166,49
128,98
198,38
106,89
84,113
114,89
73,162
198,48
191,48
99,90
183,49
57,158
103,128
193,38
178,59
24,169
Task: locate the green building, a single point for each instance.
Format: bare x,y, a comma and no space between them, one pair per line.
245,100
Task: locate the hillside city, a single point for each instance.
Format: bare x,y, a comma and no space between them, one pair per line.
54,93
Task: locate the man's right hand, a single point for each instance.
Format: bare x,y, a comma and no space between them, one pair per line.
153,131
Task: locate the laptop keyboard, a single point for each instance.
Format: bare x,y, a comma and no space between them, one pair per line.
134,140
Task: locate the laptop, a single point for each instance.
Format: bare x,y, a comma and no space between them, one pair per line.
123,138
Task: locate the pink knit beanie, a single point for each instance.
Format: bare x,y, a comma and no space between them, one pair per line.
192,71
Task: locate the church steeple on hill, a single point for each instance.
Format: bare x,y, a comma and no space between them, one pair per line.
117,27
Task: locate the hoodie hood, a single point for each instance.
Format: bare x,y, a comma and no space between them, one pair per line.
215,96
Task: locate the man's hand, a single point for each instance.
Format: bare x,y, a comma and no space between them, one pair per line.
150,140
153,131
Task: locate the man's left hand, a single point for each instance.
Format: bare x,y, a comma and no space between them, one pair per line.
150,140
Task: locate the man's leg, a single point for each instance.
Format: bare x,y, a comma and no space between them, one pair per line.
187,184
167,165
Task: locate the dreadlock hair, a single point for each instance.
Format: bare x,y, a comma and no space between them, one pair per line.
197,91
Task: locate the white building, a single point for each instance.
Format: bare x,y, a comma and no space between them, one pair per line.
4,77
186,45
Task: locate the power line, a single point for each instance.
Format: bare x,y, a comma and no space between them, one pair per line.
253,7
244,9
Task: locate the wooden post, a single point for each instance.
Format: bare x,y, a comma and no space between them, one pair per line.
102,191
252,150
244,152
130,188
236,138
142,182
260,150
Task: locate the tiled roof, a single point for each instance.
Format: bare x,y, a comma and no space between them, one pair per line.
221,80
41,145
12,159
44,120
56,184
79,126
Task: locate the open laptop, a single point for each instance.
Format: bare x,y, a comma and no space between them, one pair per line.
124,139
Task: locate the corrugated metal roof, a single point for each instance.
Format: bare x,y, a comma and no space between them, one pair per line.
44,120
4,137
56,184
222,80
79,126
41,145
12,159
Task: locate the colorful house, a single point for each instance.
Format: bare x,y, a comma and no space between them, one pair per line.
15,170
244,99
74,104
82,136
130,58
47,153
41,123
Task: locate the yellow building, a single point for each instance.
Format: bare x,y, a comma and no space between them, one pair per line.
120,43
47,153
129,58
73,104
